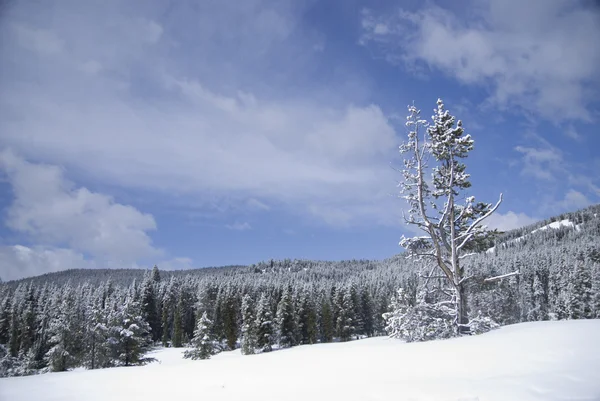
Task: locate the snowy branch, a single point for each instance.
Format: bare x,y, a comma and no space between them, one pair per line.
496,278
468,234
466,255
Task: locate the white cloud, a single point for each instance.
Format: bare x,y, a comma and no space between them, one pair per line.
540,55
196,133
238,226
543,163
572,133
574,200
52,211
508,221
20,261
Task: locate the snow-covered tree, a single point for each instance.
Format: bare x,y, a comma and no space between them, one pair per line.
286,322
264,324
307,318
130,334
580,293
203,346
452,230
327,325
420,322
344,325
248,326
150,304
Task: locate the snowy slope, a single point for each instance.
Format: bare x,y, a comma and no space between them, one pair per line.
554,225
529,361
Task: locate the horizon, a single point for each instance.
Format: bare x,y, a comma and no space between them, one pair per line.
213,134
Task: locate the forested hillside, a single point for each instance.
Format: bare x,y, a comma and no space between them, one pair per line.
104,318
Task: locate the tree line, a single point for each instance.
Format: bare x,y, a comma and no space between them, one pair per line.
56,325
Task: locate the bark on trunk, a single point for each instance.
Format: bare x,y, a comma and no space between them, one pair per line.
462,318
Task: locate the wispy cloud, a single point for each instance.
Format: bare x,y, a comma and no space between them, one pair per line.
192,132
239,226
542,162
538,55
574,200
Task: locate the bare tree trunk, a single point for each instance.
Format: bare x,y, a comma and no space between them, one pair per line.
462,318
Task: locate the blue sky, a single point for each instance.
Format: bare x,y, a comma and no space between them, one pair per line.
205,133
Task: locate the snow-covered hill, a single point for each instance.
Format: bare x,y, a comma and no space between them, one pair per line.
554,226
528,361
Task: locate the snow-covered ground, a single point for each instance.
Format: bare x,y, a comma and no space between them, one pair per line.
554,225
530,361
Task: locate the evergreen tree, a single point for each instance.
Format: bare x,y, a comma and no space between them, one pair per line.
367,314
203,345
177,325
327,326
344,324
248,326
130,334
61,357
264,325
149,305
97,349
27,322
540,302
596,291
5,319
453,231
580,293
285,318
165,326
230,318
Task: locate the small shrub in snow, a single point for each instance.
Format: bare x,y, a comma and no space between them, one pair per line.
482,324
428,321
421,322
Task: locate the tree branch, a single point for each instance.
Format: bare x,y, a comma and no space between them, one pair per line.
468,233
496,278
466,255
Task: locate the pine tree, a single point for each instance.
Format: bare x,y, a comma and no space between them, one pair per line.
5,318
203,345
130,333
285,318
230,318
27,322
366,310
177,325
453,231
97,349
327,326
580,293
344,325
596,291
149,305
248,326
264,325
165,326
540,301
61,357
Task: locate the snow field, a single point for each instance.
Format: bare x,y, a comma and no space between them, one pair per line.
528,361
